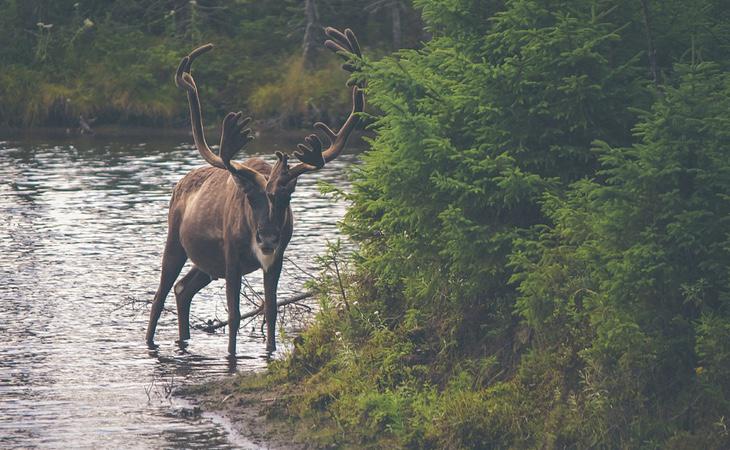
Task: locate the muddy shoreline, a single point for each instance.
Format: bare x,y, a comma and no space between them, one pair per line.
252,415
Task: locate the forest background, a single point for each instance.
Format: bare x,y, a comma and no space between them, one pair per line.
114,60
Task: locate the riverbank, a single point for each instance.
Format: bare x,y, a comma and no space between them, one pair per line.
254,410
101,132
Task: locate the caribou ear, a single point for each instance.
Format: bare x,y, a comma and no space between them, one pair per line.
290,186
245,182
284,161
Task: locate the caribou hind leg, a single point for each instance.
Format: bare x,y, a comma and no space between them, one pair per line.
173,261
185,290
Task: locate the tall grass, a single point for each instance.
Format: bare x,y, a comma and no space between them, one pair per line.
301,96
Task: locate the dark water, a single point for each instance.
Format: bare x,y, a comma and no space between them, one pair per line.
82,228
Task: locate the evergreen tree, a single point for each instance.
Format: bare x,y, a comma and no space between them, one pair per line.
635,271
542,220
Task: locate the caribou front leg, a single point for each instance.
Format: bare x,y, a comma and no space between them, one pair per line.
271,281
233,293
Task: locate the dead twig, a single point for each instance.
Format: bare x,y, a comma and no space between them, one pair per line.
213,325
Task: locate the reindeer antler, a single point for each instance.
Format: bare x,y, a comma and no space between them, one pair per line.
233,136
343,44
310,152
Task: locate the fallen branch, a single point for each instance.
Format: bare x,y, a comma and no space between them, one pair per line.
212,325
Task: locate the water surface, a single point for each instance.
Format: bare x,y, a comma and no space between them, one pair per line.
82,228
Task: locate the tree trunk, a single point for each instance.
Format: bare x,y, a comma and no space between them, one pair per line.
397,29
651,51
309,46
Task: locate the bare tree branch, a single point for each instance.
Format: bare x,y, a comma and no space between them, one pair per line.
211,326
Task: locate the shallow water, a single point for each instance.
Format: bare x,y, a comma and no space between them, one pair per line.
82,228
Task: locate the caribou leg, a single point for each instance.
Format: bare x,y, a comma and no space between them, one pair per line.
185,290
173,261
233,293
271,281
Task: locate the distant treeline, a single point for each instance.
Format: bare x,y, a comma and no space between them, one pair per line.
114,60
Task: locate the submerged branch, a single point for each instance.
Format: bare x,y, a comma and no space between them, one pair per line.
211,325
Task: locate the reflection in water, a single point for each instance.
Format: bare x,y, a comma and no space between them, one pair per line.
82,228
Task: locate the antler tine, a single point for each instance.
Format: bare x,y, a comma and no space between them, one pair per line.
230,127
233,138
334,33
337,47
182,68
342,42
354,44
311,154
345,45
324,128
187,62
199,51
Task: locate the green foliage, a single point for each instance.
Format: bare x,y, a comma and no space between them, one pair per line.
475,129
116,59
636,264
542,229
302,97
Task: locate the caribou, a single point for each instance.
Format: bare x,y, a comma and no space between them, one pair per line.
231,218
